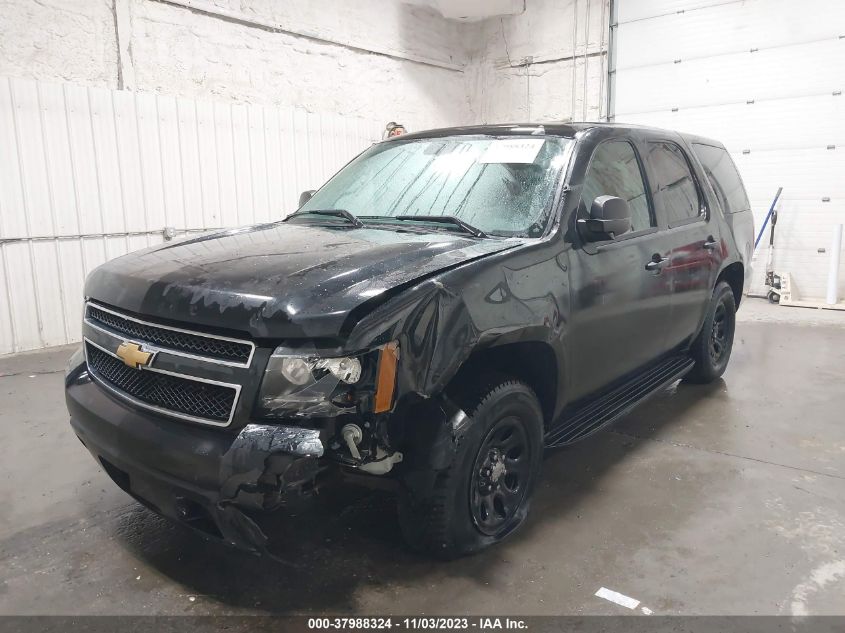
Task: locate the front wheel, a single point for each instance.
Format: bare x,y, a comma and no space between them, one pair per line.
483,495
711,349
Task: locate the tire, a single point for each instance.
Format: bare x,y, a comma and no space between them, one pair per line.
483,495
711,349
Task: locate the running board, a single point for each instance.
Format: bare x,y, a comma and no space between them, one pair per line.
596,414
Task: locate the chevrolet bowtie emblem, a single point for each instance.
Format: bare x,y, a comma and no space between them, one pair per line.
132,355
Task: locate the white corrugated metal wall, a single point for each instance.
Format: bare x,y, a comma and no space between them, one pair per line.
766,78
89,174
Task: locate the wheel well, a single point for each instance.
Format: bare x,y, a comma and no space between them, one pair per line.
534,363
734,275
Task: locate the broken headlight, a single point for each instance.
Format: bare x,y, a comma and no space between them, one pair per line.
308,385
299,371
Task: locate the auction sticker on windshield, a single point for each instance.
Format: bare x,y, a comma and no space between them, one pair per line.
512,150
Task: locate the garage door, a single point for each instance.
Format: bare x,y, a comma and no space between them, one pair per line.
766,78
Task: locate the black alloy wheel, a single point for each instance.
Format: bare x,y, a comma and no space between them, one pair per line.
711,349
483,493
718,334
500,475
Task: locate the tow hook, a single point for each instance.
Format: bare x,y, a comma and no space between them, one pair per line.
383,461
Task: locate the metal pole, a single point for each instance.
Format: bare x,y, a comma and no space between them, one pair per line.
768,215
613,27
833,271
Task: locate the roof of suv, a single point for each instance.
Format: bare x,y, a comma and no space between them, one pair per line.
554,128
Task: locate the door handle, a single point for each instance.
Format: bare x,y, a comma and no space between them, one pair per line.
657,262
710,244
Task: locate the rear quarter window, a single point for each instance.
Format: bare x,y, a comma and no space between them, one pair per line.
723,176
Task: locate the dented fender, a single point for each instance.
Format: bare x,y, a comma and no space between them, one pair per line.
442,321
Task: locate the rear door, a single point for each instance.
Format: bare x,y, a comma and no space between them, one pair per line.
620,293
722,175
692,231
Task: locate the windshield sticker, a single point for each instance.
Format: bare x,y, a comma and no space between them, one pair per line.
512,150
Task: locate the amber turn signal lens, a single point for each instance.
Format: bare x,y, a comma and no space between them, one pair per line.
386,382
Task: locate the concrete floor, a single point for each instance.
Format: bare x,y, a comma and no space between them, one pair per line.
722,499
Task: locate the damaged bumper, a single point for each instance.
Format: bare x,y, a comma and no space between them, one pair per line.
201,477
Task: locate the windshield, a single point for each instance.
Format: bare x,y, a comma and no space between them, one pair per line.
501,186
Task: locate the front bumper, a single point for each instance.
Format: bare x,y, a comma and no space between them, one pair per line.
205,478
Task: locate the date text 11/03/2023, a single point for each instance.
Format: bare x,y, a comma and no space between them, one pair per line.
418,623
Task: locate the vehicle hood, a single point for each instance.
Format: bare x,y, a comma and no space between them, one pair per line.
280,280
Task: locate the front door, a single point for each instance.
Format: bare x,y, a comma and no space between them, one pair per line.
620,290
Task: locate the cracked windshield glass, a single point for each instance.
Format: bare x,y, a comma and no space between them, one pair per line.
498,186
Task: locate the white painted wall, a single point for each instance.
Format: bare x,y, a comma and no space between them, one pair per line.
59,40
192,54
227,49
548,63
762,76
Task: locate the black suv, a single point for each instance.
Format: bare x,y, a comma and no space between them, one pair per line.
446,306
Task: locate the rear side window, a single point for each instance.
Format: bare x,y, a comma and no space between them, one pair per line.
615,171
675,185
723,176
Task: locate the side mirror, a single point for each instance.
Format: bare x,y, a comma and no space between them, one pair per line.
609,218
305,196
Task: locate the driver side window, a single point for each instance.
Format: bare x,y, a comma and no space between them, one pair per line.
615,171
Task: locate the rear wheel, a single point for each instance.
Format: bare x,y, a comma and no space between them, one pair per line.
484,494
711,350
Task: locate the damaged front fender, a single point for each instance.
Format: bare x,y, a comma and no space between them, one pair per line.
440,322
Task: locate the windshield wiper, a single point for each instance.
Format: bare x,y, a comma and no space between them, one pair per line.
338,213
446,219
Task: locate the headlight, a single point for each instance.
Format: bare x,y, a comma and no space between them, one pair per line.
299,371
307,385
295,370
346,370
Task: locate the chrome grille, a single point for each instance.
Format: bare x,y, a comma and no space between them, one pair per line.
174,395
192,343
